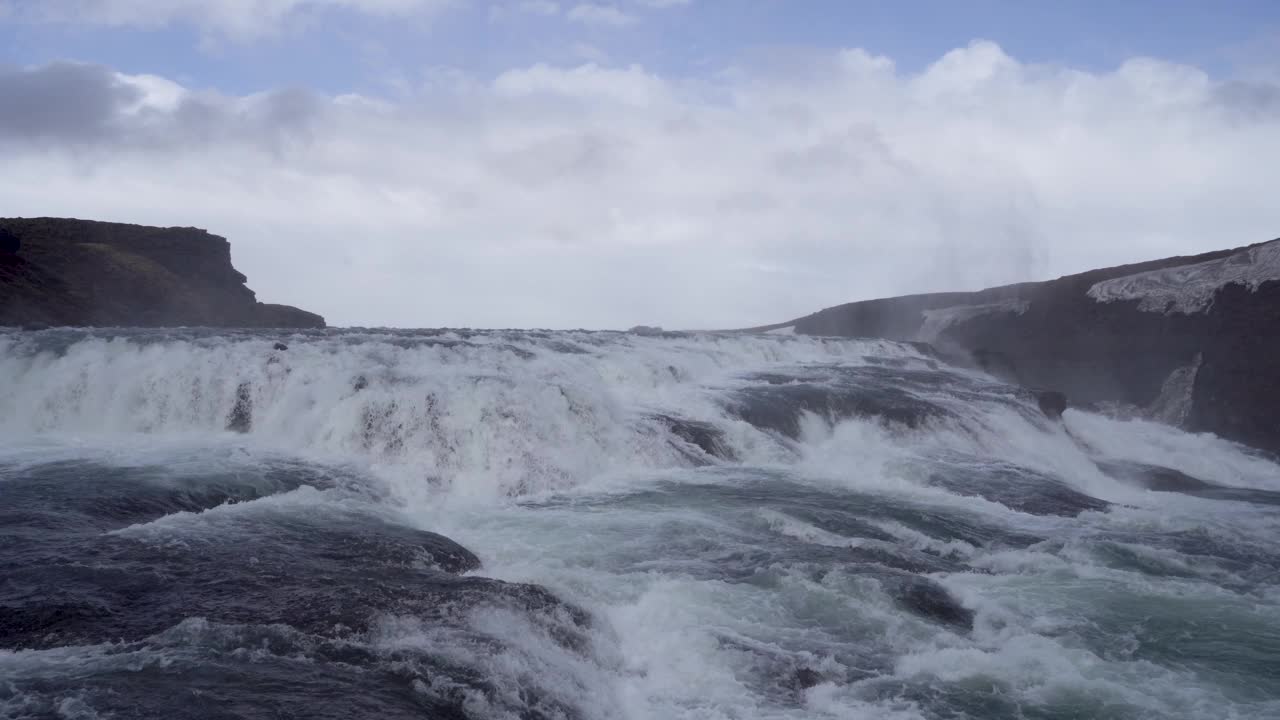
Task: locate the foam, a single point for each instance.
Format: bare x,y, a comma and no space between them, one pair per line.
1203,456
536,452
492,414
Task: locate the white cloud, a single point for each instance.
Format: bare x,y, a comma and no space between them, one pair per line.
154,93
612,196
234,18
601,15
589,83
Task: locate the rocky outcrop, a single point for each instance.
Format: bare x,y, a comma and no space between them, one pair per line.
62,272
1187,340
10,244
1052,403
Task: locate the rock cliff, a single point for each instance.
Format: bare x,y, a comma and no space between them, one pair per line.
1192,341
56,271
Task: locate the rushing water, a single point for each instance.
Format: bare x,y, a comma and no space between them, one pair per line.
596,525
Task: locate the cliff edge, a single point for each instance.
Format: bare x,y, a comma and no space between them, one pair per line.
66,272
1190,341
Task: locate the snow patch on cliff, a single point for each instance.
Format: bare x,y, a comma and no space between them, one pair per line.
1190,288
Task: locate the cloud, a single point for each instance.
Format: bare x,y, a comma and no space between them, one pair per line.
64,102
93,110
234,18
604,196
587,83
600,15
584,13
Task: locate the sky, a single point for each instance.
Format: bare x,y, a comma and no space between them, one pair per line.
682,163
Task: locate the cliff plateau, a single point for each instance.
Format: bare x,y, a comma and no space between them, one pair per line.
67,272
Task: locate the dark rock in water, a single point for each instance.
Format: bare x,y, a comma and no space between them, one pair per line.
518,351
254,608
241,418
705,436
880,393
86,273
645,330
1114,335
1163,479
932,601
835,518
9,242
94,498
1052,403
996,363
779,675
1154,477
856,515
1017,488
360,383
805,678
449,555
315,573
280,346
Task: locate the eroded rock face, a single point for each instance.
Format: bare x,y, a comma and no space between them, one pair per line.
9,242
1052,403
1126,335
86,273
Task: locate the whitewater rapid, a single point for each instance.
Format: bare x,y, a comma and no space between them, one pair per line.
672,526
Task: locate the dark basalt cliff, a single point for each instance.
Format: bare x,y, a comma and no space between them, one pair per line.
1192,341
58,272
